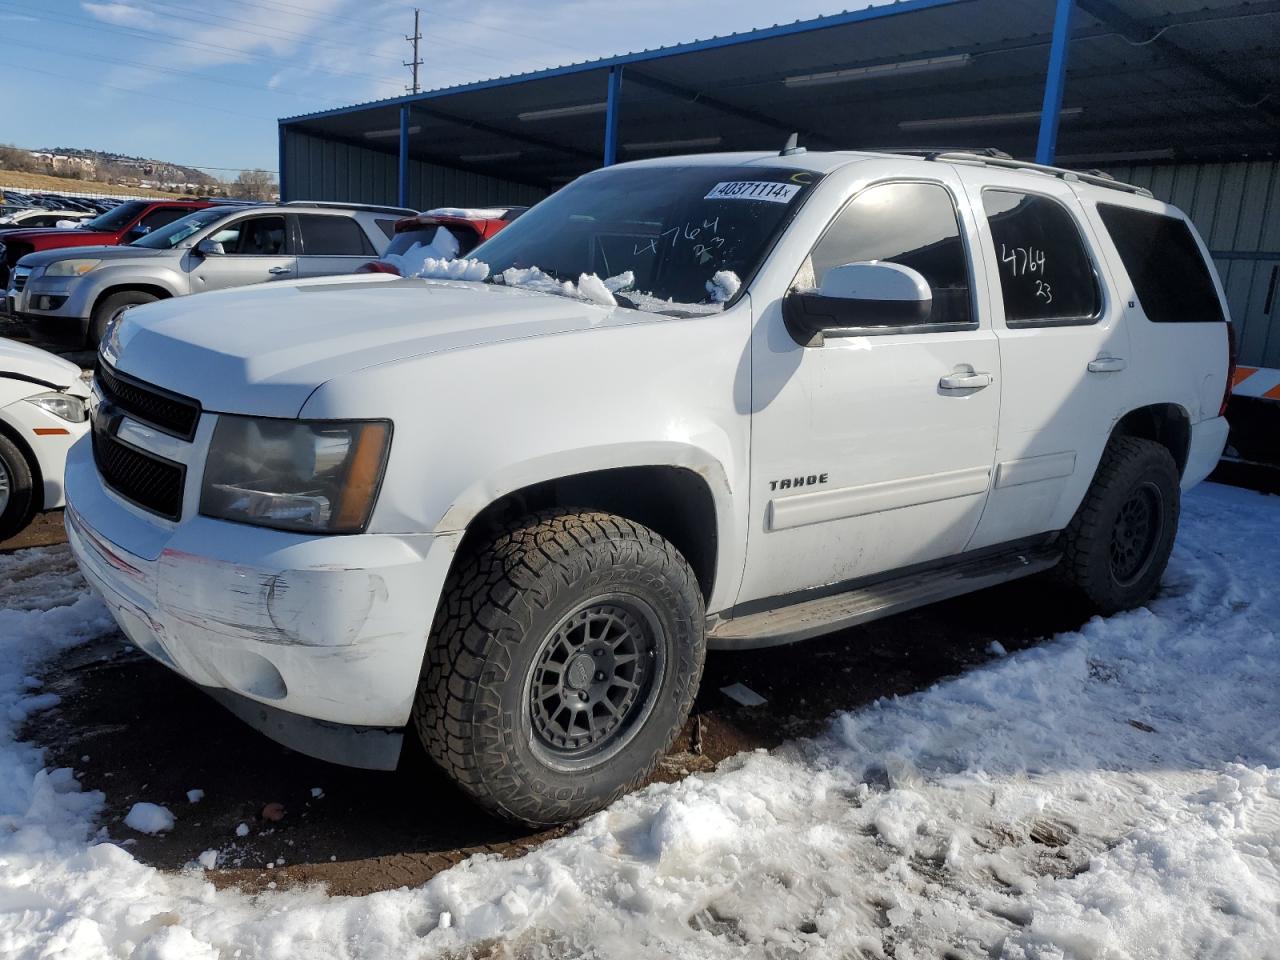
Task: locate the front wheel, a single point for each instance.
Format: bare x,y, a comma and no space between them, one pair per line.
17,489
112,308
1118,544
563,661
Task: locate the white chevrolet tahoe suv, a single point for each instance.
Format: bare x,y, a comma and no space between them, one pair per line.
726,401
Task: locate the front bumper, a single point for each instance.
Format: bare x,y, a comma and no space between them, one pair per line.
327,628
56,307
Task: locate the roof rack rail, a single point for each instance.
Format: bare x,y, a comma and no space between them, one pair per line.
336,205
996,158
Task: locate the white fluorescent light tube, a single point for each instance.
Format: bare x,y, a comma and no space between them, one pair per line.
389,132
553,112
1026,116
899,69
480,157
674,144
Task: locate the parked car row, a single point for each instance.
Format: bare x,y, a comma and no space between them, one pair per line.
144,251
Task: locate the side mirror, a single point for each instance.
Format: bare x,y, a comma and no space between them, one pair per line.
856,296
139,231
210,248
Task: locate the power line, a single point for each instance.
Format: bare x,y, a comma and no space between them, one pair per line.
157,68
154,36
154,96
416,62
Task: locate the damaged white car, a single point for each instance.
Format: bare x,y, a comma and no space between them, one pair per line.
43,411
735,400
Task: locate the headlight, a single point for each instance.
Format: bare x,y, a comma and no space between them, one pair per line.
318,476
64,405
70,268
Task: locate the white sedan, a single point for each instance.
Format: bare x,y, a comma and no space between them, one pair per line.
44,409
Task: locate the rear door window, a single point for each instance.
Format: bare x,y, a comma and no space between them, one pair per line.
1169,274
1046,276
333,236
163,216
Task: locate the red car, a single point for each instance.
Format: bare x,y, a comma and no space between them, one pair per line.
121,224
468,227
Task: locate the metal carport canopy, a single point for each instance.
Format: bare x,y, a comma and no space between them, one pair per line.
1138,80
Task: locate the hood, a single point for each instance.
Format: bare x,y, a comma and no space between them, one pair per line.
265,349
42,258
38,366
42,238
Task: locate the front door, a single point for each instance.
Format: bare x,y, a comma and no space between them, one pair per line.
867,454
1063,348
253,249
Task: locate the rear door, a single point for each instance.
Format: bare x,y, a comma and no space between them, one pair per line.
331,243
255,249
1064,350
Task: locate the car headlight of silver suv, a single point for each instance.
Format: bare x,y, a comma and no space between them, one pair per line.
313,476
62,405
71,268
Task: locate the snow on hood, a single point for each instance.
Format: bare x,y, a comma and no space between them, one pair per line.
414,261
589,286
724,286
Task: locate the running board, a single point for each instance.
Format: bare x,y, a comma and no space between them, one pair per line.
812,618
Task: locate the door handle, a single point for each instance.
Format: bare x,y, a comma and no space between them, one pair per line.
1107,365
280,270
965,381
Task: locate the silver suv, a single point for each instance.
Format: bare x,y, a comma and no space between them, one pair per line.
74,293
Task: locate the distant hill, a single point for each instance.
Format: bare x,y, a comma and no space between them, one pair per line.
117,166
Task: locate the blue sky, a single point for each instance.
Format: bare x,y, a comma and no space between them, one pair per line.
203,83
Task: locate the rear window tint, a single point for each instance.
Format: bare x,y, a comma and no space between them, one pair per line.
333,236
1046,275
1171,278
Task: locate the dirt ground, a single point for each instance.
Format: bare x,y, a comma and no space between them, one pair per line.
135,731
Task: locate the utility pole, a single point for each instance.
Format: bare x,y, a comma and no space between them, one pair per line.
416,62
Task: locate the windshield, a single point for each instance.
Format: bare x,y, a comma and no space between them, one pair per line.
116,219
170,235
660,238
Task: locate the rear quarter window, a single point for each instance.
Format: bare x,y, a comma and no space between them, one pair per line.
1170,276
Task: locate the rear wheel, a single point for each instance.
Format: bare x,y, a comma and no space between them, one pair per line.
17,489
110,308
1118,544
562,663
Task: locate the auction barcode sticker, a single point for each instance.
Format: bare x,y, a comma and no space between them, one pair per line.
753,190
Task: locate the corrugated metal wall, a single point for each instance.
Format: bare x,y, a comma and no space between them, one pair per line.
316,169
1236,208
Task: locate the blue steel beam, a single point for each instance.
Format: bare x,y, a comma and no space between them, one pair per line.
280,160
403,192
1055,82
611,117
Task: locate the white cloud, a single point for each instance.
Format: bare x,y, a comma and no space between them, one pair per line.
117,13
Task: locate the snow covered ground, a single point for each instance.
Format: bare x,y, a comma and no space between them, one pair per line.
1114,793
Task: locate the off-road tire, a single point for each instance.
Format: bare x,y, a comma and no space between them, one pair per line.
21,504
1130,468
109,306
501,606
